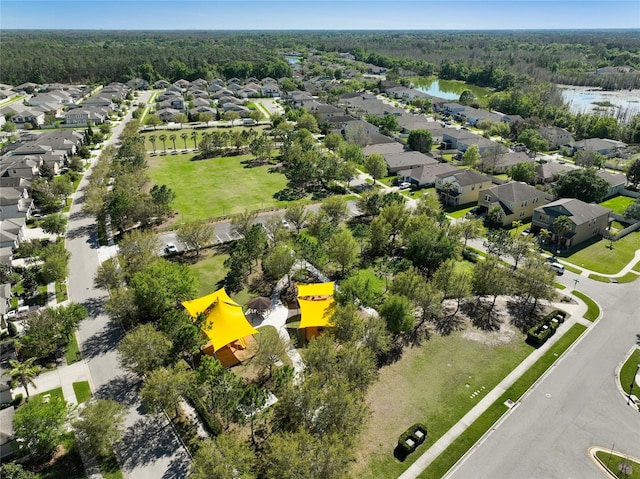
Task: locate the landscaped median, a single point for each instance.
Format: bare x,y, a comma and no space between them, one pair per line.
627,278
593,310
618,465
452,454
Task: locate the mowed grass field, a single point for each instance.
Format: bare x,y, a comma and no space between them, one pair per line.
600,258
431,384
216,186
618,204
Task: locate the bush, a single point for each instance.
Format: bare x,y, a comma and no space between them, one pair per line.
17,401
546,328
412,438
470,255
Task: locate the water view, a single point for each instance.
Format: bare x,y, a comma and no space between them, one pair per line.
622,104
292,60
447,89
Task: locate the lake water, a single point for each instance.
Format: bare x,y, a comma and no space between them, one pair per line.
447,89
581,99
292,60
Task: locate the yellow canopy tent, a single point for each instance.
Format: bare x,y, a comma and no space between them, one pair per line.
225,321
315,313
316,289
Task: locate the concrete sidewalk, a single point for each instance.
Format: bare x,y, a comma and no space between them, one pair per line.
576,312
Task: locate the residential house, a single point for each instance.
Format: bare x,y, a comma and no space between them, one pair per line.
15,203
504,161
167,114
604,146
512,119
515,200
461,187
425,175
616,181
12,232
557,137
160,84
550,172
270,89
587,219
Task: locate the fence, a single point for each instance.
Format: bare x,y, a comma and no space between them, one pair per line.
622,233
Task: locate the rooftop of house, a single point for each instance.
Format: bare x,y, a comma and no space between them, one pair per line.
465,177
515,192
578,211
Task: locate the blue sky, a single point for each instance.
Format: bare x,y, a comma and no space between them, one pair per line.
318,14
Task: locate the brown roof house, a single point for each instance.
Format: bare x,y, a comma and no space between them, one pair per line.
461,187
516,200
587,220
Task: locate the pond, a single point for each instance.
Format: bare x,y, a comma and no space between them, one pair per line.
447,89
292,60
622,104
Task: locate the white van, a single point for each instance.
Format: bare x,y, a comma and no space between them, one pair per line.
557,267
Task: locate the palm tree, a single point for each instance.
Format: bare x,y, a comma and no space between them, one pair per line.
24,373
152,139
194,137
561,226
163,139
184,136
173,137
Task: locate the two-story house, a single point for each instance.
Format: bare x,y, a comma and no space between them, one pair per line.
461,187
516,200
556,136
587,220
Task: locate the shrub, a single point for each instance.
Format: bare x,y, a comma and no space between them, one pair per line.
546,328
412,438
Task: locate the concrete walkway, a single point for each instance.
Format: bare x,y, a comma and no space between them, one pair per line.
576,312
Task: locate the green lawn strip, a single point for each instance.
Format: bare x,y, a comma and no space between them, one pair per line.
618,204
573,269
222,186
559,285
73,352
598,257
637,267
613,461
61,292
57,392
461,211
432,384
627,278
628,372
593,310
602,279
82,390
447,459
210,271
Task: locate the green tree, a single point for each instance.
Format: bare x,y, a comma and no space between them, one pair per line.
278,262
561,226
532,140
525,172
163,139
138,249
55,223
24,373
62,186
194,138
308,122
534,281
152,139
633,173
109,275
162,197
271,350
173,138
256,243
498,242
471,157
196,235
589,159
582,184
420,140
376,166
471,228
13,470
180,118
397,313
490,279
296,214
164,388
55,267
223,457
342,250
241,222
467,97
38,426
336,209
9,127
333,141
633,211
427,248
101,423
144,349
154,120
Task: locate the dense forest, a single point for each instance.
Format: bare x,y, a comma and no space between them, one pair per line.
497,59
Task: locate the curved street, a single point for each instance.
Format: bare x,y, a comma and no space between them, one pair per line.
149,449
577,405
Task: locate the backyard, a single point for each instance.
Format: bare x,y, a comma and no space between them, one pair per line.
216,186
618,204
434,384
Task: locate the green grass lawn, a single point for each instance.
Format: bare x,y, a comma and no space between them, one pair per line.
110,469
216,186
628,372
613,461
518,230
431,384
593,310
599,258
618,204
461,211
57,392
82,390
73,352
627,278
474,432
210,270
61,292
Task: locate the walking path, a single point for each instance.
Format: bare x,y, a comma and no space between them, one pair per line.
576,312
61,377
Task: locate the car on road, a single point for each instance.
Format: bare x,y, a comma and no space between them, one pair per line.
170,248
405,185
557,267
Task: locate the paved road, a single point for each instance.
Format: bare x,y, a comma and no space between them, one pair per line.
150,449
576,406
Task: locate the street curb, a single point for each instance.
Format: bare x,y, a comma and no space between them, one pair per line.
619,368
592,454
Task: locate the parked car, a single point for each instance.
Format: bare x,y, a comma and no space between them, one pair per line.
405,185
557,267
526,231
170,248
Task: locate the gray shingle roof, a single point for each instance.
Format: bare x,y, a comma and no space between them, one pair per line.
579,211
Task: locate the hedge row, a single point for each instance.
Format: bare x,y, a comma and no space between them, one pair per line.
546,328
412,438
